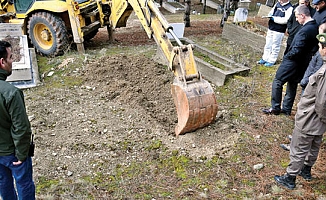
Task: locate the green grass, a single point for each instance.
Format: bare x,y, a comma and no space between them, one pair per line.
209,60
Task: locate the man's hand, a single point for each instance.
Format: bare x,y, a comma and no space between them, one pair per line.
17,163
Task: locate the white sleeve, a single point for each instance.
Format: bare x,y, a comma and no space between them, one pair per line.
285,19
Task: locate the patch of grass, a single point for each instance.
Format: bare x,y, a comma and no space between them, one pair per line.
247,182
179,164
209,60
44,184
222,183
284,163
155,145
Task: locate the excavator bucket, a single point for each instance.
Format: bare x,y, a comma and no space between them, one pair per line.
196,105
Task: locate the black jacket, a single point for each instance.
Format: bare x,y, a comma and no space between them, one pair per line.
293,25
314,65
320,16
303,47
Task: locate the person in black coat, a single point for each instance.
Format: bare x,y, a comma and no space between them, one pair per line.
315,63
293,25
320,14
295,63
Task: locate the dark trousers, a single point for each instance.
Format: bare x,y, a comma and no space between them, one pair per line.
277,89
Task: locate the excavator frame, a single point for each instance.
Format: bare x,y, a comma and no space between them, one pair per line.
51,25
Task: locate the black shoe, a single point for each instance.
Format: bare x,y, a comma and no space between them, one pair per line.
286,147
271,111
305,173
286,180
285,112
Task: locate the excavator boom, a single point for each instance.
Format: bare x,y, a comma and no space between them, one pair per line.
193,96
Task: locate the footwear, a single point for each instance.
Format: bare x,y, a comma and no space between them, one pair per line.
290,137
286,180
285,113
271,111
286,147
268,64
261,61
306,173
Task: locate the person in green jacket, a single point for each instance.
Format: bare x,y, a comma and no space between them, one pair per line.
15,136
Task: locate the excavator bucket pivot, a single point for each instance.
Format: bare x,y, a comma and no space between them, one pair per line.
195,103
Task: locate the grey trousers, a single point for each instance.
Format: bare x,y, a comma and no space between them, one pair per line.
304,150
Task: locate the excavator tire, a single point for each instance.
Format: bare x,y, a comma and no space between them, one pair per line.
196,105
48,34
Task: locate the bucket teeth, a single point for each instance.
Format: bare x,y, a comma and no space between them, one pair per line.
196,105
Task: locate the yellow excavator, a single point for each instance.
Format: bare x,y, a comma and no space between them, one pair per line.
48,24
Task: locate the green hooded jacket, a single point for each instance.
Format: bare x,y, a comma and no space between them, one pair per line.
15,129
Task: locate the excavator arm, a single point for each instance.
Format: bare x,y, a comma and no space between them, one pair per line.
193,96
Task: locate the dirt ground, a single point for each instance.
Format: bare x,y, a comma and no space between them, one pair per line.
123,98
122,108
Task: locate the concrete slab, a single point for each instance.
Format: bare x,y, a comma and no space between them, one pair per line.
212,4
21,69
246,37
212,73
24,68
263,10
173,7
33,72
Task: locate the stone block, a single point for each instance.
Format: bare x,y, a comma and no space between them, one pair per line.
246,37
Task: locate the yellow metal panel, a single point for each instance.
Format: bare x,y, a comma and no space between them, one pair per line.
75,23
52,6
16,21
118,9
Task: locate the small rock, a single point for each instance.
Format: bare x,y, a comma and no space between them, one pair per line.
258,166
31,117
203,195
50,74
69,173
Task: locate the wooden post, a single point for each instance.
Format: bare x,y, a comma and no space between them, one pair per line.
186,18
204,7
80,47
110,33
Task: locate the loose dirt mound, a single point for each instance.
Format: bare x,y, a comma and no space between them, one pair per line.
138,82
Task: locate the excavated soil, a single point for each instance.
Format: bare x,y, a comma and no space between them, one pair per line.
122,107
123,98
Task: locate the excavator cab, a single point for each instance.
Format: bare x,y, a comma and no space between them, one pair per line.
22,6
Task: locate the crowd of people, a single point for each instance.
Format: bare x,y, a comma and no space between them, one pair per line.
302,63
